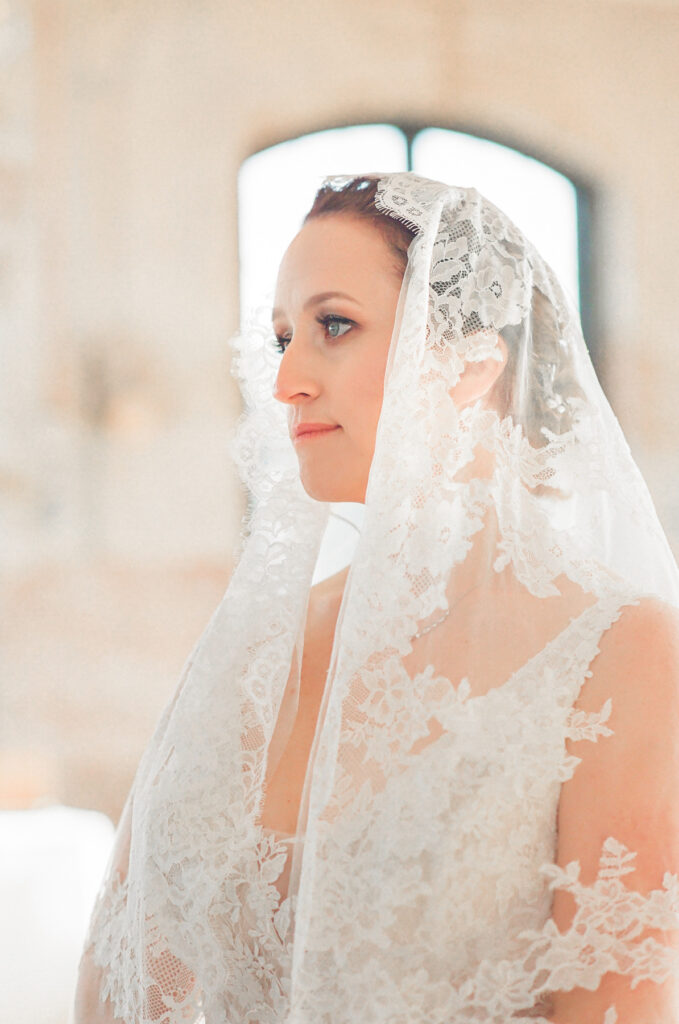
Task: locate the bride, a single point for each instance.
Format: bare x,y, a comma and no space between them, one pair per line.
440,785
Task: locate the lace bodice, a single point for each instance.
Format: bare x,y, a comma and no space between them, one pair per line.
484,799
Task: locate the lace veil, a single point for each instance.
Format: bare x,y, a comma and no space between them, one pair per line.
521,531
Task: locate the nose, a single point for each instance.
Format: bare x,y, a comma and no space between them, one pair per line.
295,380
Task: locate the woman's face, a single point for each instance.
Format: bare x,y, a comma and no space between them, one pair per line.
334,311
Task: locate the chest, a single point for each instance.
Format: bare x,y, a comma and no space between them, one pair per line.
285,779
467,655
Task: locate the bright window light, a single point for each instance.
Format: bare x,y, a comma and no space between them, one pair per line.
540,201
276,187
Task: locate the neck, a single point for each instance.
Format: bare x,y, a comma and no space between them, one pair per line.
477,567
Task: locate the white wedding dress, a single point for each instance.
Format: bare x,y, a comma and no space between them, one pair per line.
421,882
487,832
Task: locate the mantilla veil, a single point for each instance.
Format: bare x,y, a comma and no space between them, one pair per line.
423,888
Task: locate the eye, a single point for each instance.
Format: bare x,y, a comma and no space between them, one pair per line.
280,343
332,321
335,327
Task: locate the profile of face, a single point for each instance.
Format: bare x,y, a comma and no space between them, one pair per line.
334,310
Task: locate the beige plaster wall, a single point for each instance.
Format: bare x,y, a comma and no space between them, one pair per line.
122,127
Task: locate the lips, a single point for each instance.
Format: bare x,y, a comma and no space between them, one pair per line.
310,430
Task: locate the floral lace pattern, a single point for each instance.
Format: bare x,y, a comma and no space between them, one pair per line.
482,804
489,783
425,884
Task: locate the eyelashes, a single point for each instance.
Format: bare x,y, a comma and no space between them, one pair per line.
329,321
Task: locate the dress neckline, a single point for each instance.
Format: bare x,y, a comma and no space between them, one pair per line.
280,834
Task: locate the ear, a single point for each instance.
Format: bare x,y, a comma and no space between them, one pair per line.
477,379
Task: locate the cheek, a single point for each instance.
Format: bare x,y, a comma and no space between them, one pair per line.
363,396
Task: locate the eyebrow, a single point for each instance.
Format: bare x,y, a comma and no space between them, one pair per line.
315,299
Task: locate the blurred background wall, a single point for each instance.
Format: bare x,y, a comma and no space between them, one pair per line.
122,128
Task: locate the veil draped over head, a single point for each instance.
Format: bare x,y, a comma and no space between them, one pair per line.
509,550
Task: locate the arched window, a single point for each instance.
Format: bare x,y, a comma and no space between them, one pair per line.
546,204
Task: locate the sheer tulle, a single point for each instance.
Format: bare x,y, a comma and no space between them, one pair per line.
435,881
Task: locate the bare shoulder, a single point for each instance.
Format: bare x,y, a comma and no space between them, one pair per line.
650,621
625,789
638,660
635,676
625,782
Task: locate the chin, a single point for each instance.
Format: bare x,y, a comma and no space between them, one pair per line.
332,490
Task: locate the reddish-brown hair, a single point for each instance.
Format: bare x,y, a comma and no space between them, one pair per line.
356,198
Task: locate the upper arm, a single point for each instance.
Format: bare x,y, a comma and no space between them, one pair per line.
626,786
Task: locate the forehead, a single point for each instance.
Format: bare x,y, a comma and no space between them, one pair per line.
333,253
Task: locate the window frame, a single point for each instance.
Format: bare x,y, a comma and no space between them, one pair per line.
586,204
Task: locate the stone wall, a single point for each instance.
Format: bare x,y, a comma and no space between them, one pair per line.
122,128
